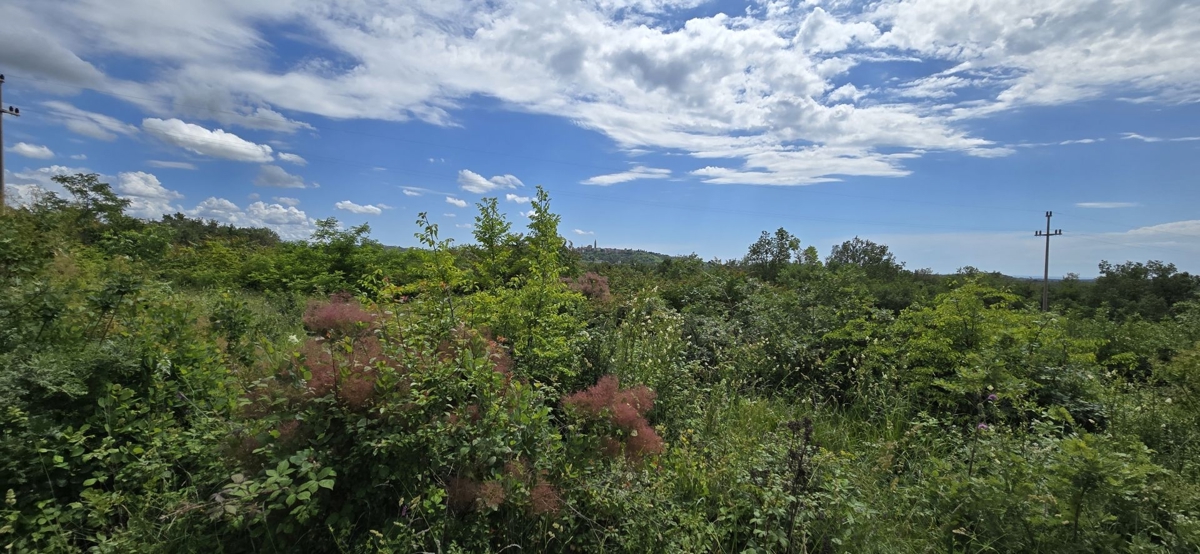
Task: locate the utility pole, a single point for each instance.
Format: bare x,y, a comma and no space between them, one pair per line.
1046,274
3,112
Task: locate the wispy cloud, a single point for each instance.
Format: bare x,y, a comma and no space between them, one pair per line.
634,174
292,158
171,165
1143,138
275,176
456,201
88,124
1107,205
582,232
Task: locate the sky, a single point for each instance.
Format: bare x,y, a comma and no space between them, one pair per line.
942,128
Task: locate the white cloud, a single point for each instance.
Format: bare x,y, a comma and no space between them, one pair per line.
456,201
171,165
1135,136
1107,205
450,215
582,232
287,200
292,158
1190,227
1081,141
42,178
411,192
766,95
634,174
23,195
465,225
518,199
474,182
88,124
197,139
367,209
290,222
27,150
254,196
147,197
78,156
527,213
275,176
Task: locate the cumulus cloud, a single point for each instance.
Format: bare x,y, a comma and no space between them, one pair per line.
88,124
275,176
171,165
411,192
35,151
292,158
42,178
634,174
287,200
1107,205
582,232
197,139
769,95
148,198
456,201
474,182
291,223
368,209
518,199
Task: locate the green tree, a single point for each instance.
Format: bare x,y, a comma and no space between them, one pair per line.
770,254
495,242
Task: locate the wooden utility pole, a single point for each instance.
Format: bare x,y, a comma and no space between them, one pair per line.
3,112
1046,273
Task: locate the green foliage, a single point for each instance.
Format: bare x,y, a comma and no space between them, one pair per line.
769,255
183,386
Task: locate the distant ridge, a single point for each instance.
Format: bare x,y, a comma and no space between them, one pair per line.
592,254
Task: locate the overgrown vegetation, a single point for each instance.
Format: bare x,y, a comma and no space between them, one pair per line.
181,386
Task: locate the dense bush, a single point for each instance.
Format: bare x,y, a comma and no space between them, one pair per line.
182,386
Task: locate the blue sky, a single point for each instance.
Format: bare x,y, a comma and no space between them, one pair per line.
942,128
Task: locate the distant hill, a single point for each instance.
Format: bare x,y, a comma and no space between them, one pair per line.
589,254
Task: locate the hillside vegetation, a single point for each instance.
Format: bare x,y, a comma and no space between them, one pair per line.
183,386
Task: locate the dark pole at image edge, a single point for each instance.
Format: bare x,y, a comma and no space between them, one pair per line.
3,112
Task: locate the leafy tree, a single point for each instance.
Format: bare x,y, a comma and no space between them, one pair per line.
94,205
770,254
1148,289
876,259
494,239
